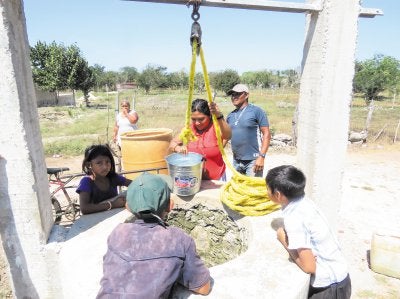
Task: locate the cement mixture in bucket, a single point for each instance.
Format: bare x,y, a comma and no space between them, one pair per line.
218,238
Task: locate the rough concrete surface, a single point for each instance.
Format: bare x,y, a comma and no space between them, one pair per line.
371,189
370,203
263,271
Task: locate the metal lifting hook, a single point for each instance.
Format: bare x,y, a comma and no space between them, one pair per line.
196,6
196,29
196,35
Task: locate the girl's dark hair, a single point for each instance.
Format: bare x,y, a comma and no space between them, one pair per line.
201,106
93,152
287,179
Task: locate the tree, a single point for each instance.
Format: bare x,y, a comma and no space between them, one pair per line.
82,78
224,80
257,79
395,90
128,74
110,79
177,80
291,78
152,77
249,78
98,75
199,82
72,64
48,62
56,67
394,83
104,80
375,75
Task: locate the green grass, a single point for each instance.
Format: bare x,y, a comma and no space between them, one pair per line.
68,131
385,116
72,146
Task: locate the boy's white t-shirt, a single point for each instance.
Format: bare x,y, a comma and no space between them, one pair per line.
306,227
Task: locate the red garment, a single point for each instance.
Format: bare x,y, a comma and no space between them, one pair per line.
207,145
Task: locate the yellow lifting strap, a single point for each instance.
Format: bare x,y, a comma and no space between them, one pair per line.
246,195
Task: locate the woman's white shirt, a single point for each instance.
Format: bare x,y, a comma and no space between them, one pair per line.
124,125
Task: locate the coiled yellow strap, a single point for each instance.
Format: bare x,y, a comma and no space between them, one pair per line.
246,195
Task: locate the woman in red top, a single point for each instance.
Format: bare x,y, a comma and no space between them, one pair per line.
206,141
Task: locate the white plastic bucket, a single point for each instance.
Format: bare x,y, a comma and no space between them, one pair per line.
385,254
185,171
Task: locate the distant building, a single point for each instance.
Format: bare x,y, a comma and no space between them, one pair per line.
127,85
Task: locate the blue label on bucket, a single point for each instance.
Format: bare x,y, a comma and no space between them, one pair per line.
185,182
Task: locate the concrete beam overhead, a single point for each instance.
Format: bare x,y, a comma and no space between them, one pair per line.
292,7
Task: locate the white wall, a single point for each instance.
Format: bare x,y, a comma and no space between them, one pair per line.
46,98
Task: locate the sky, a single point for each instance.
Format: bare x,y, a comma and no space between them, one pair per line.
115,33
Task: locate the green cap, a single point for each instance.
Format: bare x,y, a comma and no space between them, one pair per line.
149,192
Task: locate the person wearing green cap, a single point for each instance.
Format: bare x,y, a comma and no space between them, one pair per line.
145,258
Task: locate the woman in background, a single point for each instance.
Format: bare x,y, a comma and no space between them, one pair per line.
126,121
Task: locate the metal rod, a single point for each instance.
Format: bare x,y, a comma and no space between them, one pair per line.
70,177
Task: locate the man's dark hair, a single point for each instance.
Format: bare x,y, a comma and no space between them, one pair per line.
288,180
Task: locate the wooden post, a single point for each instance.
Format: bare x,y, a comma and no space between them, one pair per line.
395,134
371,108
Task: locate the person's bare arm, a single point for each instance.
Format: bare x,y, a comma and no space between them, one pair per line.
127,182
306,260
204,290
132,117
176,146
88,208
226,131
303,257
266,139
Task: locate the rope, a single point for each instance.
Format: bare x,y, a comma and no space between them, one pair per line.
246,195
186,134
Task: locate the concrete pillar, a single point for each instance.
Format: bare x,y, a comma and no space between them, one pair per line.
325,95
25,213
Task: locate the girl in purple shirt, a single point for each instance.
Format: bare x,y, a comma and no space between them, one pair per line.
98,189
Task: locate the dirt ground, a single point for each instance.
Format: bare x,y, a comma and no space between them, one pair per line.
370,203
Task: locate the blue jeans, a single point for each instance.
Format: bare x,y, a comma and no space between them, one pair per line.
223,177
246,167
